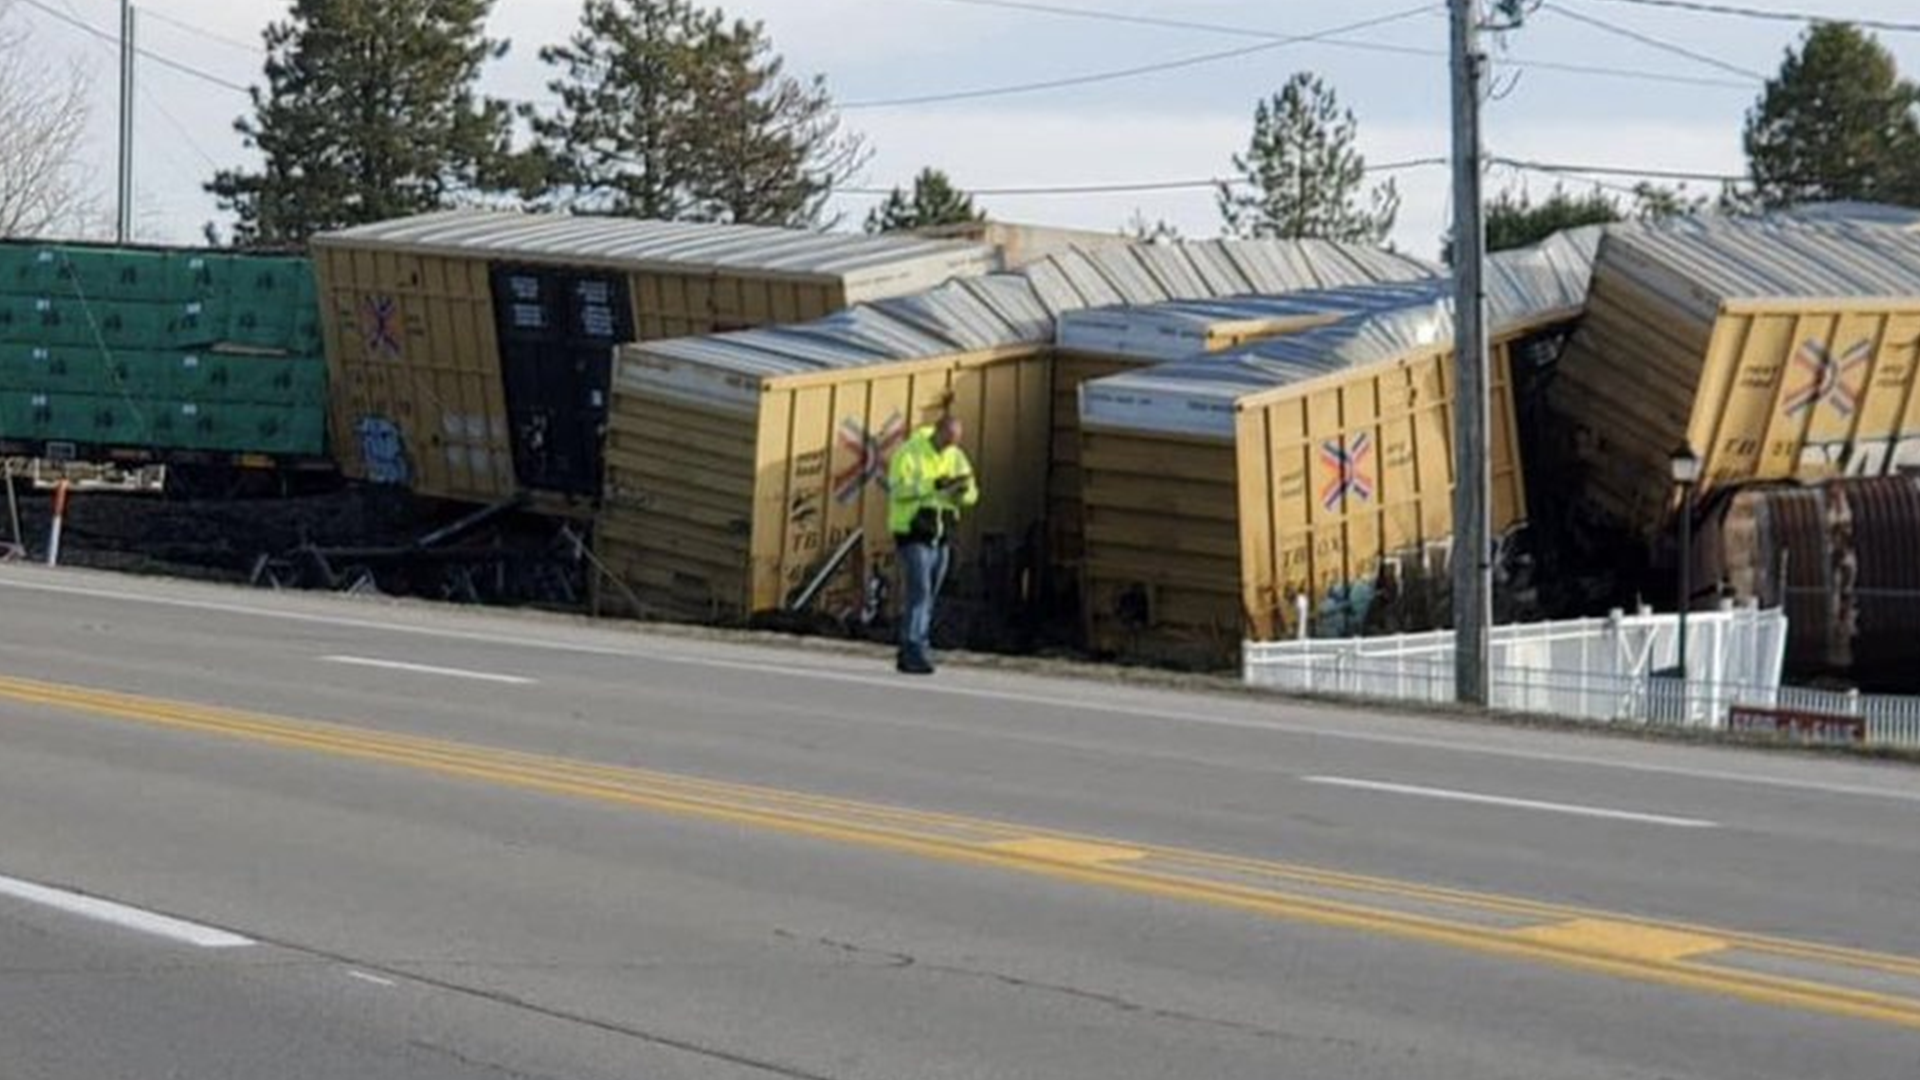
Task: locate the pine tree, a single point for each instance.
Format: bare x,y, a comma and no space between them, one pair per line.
370,113
1514,220
667,110
1837,123
1304,173
935,201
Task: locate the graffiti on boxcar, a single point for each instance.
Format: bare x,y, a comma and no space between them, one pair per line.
1865,458
383,450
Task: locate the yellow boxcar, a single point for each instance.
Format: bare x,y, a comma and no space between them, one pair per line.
733,460
725,505
1212,504
472,350
1103,342
1774,352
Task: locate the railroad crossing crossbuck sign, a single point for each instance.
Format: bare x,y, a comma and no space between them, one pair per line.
872,452
1346,464
1831,378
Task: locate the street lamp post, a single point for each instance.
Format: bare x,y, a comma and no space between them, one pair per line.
1685,465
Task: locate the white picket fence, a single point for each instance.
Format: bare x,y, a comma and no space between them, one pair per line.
1617,670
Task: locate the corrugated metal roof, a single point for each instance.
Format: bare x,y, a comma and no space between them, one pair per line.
1856,213
1196,396
1552,276
1020,309
1704,261
1180,329
870,266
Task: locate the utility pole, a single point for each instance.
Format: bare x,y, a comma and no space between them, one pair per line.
1472,541
123,222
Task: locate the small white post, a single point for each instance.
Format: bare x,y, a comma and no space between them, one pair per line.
59,519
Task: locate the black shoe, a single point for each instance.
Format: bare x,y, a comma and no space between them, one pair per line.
913,665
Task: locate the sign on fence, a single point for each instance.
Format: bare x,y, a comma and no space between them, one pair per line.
1807,726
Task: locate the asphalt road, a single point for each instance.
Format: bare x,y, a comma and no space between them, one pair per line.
461,845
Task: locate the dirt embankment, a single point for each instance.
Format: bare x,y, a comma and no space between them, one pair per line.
209,540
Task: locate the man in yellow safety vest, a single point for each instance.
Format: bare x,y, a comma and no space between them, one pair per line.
929,481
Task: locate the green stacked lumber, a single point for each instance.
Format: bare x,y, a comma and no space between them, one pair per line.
185,350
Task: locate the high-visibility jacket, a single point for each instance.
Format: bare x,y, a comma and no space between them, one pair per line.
913,491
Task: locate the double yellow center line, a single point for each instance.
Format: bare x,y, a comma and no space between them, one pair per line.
1818,978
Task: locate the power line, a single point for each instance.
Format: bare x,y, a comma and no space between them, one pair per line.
1117,17
1126,187
1699,8
179,128
202,32
1617,189
114,40
1135,72
1617,170
1552,168
1656,43
1594,70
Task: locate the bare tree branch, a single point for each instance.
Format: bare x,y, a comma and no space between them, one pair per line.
43,120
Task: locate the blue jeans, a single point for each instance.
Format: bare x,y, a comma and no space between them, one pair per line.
923,570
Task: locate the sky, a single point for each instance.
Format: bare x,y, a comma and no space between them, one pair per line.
1657,109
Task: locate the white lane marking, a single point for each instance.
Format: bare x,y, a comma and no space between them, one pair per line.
1573,809
1295,728
130,918
429,669
374,979
1278,727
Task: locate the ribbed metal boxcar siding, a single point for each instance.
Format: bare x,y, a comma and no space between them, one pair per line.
823,448
412,341
414,360
1307,526
1628,384
713,513
1163,569
1194,544
677,507
1788,390
1809,393
1065,528
1066,541
690,305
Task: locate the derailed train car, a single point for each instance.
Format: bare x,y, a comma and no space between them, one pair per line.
1777,351
1221,491
740,465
